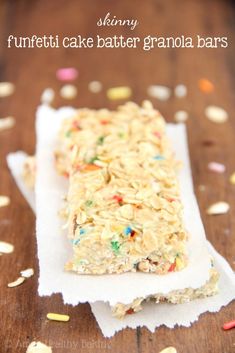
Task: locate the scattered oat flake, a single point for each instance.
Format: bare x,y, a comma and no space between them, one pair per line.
38,347
232,178
67,74
216,167
181,116
29,272
216,114
162,93
4,201
180,91
218,208
68,92
95,86
229,325
6,248
201,187
205,85
16,283
47,96
6,89
58,317
7,123
121,92
169,350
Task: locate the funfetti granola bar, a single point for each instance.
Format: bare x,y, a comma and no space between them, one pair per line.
123,205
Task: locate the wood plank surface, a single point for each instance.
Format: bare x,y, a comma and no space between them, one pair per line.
23,312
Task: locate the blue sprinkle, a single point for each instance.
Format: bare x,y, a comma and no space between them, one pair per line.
76,241
159,158
82,231
127,230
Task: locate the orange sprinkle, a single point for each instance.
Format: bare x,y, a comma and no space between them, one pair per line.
205,85
90,167
172,267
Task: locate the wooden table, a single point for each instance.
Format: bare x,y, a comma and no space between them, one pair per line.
23,312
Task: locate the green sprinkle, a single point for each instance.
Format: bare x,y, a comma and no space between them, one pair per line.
100,140
68,133
121,135
93,159
115,246
89,203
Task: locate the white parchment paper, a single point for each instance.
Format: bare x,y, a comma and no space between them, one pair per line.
153,315
54,249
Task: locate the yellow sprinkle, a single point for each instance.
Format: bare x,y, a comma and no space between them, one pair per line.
122,92
179,263
232,178
57,317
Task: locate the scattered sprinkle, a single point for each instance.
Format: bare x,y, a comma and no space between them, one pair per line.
38,347
218,208
47,96
205,85
7,123
162,93
58,317
68,92
216,167
29,272
16,283
229,325
95,86
6,89
180,91
181,116
6,248
169,350
216,114
67,74
232,179
122,92
4,201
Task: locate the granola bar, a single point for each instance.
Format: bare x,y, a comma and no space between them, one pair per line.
210,288
123,205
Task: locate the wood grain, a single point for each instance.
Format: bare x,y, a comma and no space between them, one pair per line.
23,312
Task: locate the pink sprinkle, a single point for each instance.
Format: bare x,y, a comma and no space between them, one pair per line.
216,167
67,74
